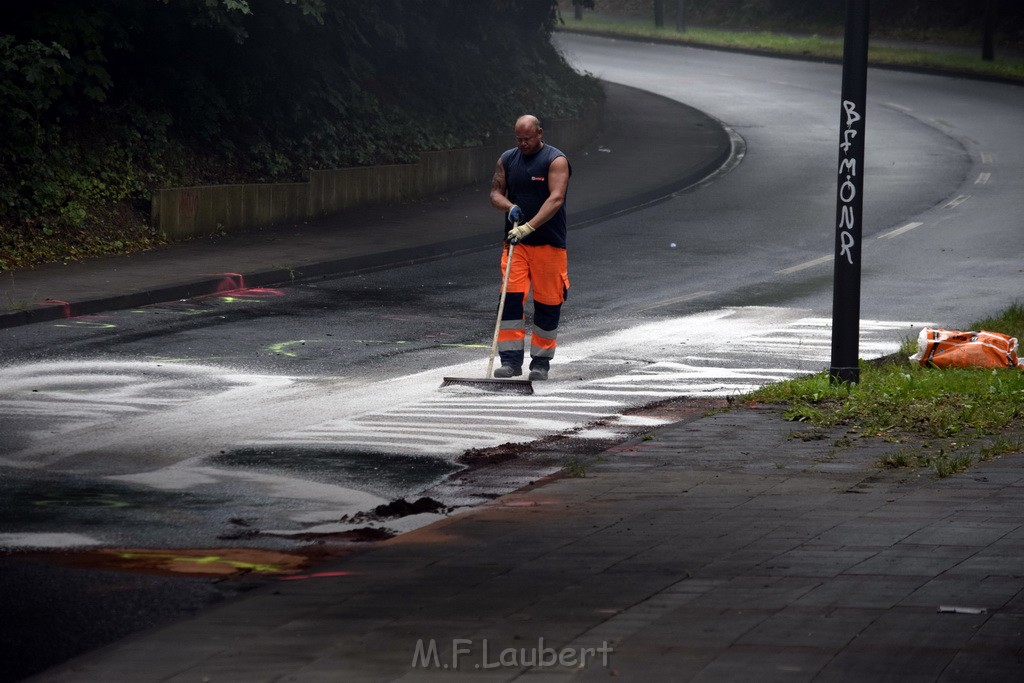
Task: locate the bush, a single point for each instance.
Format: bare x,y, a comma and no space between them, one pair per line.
109,99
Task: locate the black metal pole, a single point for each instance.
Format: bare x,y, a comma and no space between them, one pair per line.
849,197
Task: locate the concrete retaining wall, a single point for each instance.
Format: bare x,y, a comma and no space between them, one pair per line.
184,212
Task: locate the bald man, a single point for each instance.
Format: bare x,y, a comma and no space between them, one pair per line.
529,186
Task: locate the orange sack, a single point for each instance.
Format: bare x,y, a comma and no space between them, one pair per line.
955,349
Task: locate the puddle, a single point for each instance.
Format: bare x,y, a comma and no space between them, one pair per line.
89,503
380,473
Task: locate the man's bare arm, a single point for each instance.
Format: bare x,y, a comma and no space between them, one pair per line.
499,188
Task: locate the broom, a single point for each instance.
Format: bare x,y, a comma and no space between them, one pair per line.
521,386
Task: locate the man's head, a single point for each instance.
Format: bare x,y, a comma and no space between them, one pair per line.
529,134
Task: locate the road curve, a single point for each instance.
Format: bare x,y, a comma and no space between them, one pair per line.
943,196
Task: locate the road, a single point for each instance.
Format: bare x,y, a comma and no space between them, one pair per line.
192,434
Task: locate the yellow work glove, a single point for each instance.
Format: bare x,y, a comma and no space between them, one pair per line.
519,232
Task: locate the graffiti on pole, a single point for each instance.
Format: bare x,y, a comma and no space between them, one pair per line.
848,183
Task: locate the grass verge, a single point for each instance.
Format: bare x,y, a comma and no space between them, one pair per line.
924,56
940,415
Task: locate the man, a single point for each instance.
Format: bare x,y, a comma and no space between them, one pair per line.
529,185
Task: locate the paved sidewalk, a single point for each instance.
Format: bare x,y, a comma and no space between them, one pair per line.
722,549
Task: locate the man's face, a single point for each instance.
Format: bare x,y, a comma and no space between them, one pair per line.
528,139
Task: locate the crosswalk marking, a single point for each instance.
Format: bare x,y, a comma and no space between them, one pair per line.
80,407
801,346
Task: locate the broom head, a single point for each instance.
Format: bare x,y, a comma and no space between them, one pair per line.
518,386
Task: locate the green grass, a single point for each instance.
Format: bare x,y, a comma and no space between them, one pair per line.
812,46
903,397
1010,321
943,411
575,466
944,464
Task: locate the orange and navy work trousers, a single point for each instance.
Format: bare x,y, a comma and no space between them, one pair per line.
544,269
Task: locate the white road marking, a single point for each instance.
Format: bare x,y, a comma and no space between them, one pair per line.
899,231
957,201
805,265
677,300
983,178
29,540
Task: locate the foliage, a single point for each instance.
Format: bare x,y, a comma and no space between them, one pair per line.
903,397
108,99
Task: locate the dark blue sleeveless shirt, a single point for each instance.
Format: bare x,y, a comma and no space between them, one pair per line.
526,182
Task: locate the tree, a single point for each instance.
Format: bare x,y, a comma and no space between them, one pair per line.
579,5
102,100
680,15
987,49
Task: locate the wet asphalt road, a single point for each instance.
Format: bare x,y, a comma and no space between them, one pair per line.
157,433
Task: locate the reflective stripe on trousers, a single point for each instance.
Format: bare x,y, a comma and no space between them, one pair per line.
542,268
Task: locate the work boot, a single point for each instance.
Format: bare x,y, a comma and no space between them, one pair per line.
507,371
538,374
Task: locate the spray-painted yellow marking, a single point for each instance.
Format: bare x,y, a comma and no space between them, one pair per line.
89,323
197,561
281,348
209,559
239,300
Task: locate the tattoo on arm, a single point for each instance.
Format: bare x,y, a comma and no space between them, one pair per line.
498,181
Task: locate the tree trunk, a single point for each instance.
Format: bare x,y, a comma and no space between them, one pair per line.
987,39
680,15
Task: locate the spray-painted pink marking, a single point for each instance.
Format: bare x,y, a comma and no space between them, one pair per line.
233,284
64,304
